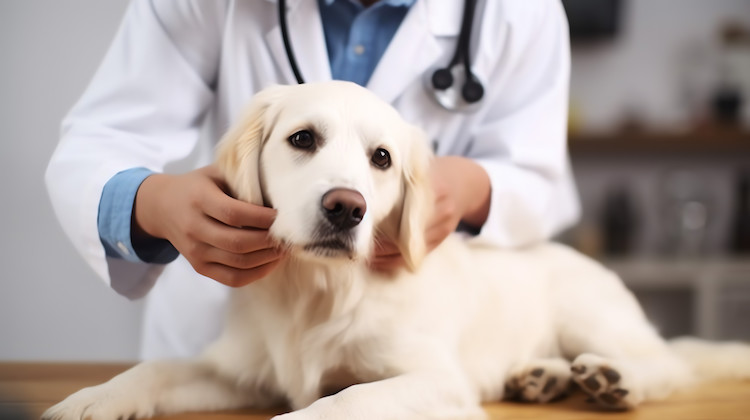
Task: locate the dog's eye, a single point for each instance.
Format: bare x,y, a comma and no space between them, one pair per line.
302,139
381,158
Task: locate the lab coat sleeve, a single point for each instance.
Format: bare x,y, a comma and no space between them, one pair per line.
142,109
522,139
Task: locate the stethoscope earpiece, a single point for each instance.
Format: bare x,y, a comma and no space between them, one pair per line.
472,91
453,89
442,79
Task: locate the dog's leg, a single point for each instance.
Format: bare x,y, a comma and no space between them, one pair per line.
426,395
619,359
622,363
150,388
541,381
622,382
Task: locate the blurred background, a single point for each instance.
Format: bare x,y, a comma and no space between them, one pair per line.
659,140
659,135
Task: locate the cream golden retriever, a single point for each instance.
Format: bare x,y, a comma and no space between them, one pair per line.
463,325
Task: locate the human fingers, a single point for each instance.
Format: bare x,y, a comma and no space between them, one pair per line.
205,254
436,235
229,238
235,277
384,247
233,212
387,264
443,222
216,203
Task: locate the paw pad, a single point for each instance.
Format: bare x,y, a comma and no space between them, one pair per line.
602,384
538,385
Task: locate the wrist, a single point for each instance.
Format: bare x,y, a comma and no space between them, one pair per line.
146,209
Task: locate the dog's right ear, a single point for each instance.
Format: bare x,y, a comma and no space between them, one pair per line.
418,200
238,152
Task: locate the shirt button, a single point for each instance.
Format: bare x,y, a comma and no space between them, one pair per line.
124,249
359,49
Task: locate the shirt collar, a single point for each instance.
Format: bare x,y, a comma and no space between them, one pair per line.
443,17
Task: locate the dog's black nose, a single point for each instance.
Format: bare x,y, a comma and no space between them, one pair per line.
343,207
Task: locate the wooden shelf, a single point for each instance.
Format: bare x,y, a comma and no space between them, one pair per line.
667,272
712,142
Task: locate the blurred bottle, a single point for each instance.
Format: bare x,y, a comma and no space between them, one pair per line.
618,222
727,104
740,226
685,212
575,118
733,84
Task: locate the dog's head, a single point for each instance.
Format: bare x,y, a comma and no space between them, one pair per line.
338,164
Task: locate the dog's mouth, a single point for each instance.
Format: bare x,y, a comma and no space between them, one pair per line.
331,248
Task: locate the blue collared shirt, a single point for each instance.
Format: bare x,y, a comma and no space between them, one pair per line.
356,38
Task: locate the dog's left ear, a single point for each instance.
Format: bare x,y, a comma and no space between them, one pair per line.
238,152
418,200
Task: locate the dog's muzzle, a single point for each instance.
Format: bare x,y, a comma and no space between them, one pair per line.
342,210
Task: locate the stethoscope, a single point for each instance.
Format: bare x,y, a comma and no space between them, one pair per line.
440,82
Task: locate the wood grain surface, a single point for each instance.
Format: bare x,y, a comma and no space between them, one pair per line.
27,389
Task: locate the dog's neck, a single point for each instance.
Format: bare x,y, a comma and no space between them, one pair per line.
328,288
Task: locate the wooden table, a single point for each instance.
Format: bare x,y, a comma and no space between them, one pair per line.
27,389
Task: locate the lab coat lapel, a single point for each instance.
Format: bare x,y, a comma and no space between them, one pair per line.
308,43
415,48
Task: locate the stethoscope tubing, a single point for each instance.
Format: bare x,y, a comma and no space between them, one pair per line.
287,42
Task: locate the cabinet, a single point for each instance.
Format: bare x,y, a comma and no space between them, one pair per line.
705,292
709,297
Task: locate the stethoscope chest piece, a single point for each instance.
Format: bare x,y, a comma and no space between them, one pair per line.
452,90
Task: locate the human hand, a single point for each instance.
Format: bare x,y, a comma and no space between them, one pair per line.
443,222
461,191
222,238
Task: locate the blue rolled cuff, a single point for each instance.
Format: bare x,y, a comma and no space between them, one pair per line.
116,217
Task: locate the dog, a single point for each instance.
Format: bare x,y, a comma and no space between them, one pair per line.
464,324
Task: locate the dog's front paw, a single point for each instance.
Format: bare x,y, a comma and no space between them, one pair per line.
541,381
99,403
603,381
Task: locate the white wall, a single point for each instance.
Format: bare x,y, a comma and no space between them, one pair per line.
52,307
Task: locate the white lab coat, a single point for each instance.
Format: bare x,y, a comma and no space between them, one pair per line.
179,71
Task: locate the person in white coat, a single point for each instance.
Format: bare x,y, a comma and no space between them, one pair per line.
131,181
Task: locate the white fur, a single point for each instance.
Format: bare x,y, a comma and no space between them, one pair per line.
466,324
